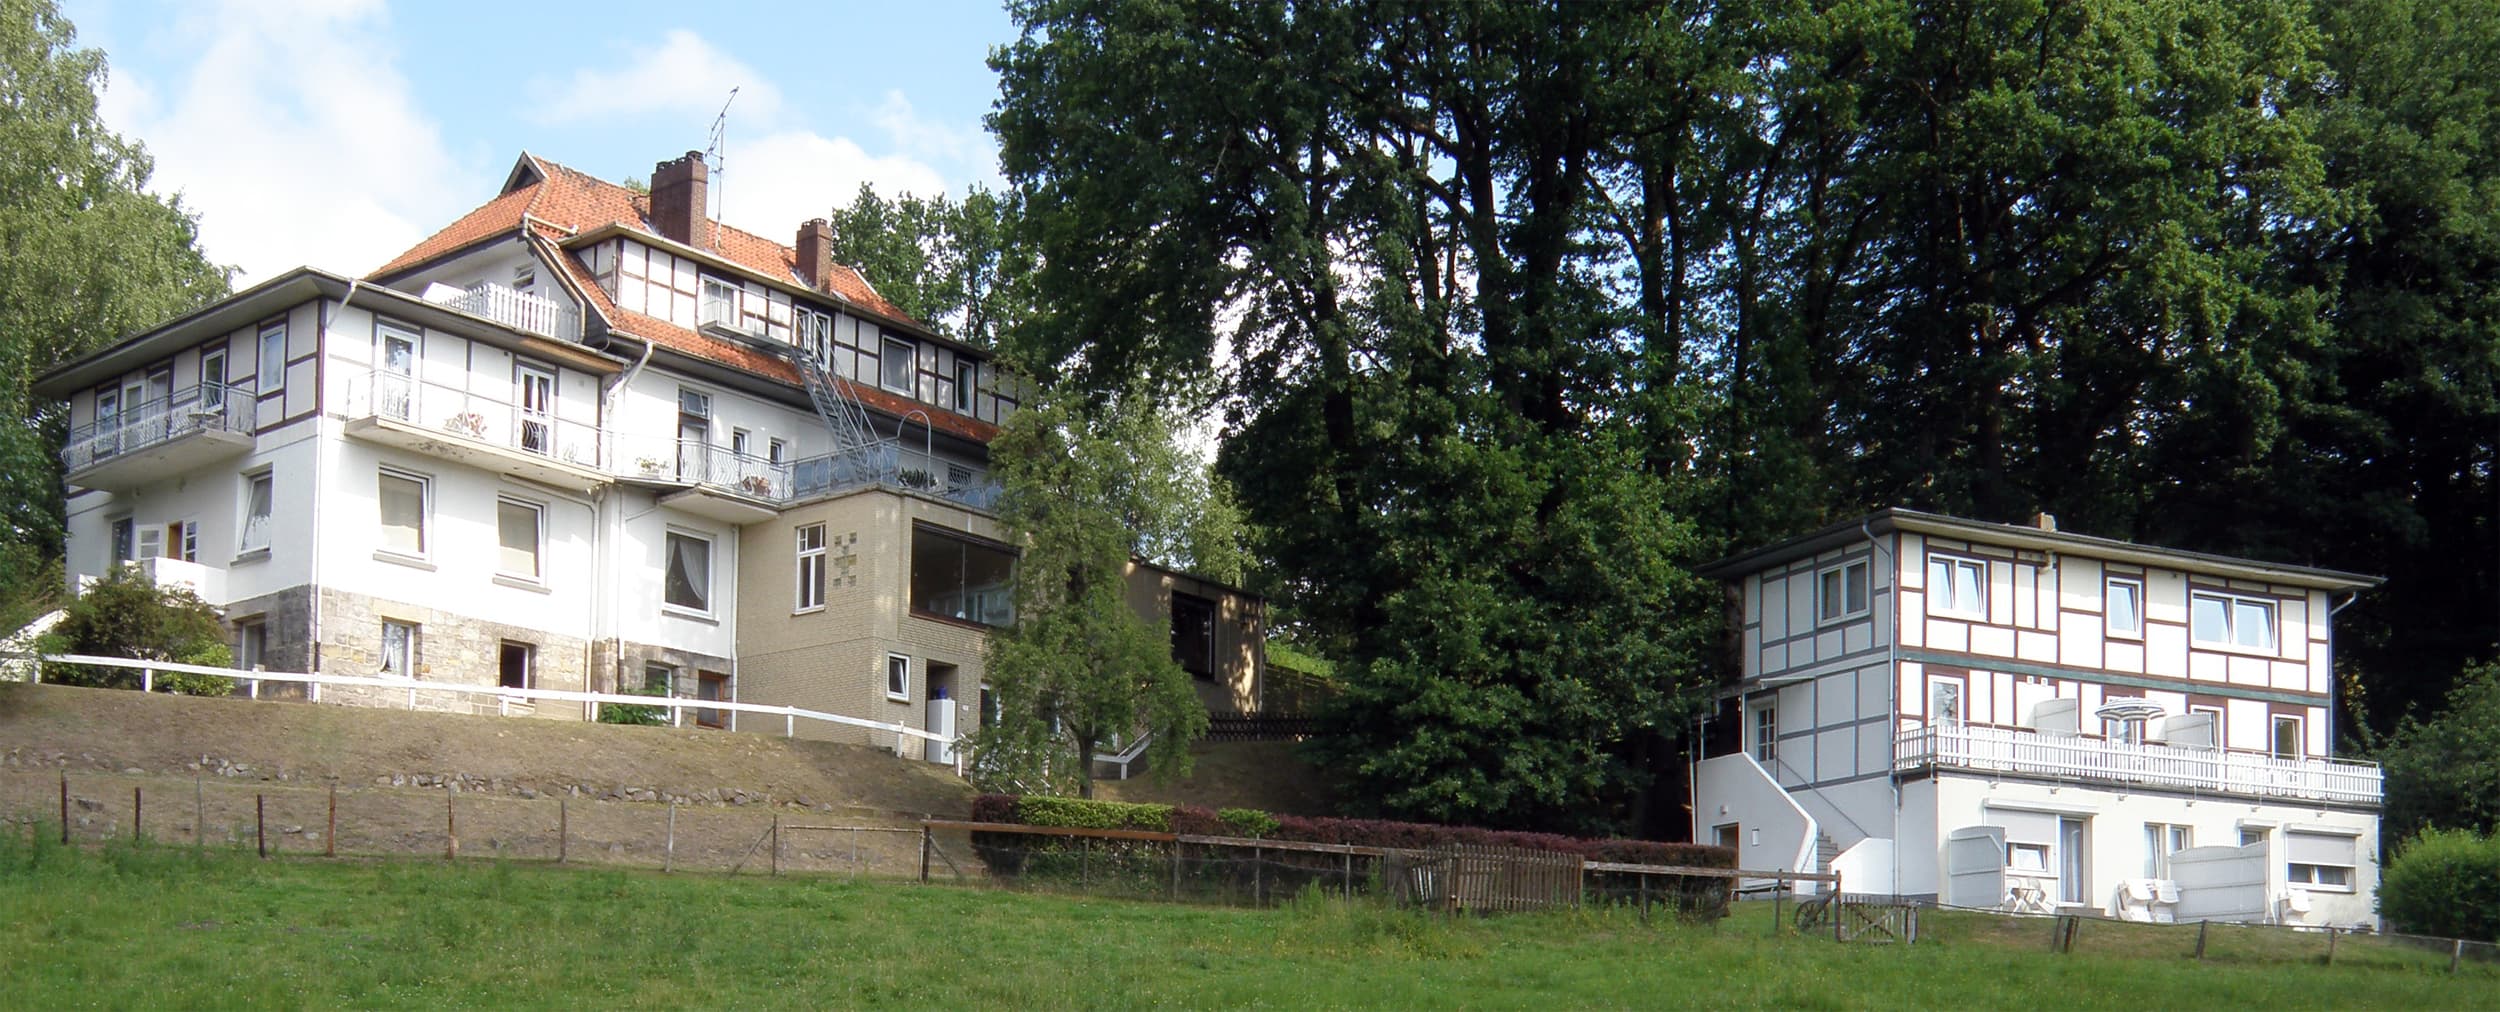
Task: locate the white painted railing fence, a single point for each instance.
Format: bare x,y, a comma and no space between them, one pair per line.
506,697
2090,759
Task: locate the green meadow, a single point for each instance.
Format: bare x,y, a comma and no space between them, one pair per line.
154,927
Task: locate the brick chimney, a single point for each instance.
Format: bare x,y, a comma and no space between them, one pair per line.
815,247
678,200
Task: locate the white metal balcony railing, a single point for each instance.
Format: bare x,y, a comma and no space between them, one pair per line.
888,463
703,463
206,407
482,417
2086,758
519,310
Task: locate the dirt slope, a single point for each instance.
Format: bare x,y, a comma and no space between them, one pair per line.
408,782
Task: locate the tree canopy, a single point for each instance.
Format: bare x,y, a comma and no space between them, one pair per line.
1086,489
87,256
1521,310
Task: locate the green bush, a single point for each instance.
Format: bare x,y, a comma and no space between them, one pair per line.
1248,822
1075,813
2445,882
630,713
125,615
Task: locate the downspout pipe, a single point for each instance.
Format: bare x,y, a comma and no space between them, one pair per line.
2331,694
608,527
321,452
1892,685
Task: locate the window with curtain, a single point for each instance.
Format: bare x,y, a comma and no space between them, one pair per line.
688,579
403,513
259,490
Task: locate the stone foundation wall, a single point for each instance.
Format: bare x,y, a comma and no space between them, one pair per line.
450,649
287,616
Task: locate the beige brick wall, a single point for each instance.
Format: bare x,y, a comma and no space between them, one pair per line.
834,659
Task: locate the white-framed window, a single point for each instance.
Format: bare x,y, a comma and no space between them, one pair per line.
659,678
272,375
1957,586
125,540
811,590
720,304
812,330
2320,861
1944,702
260,493
2231,620
404,498
108,417
896,365
517,665
182,540
775,450
1766,726
524,277
520,537
2122,603
965,373
898,677
535,388
2027,857
2285,741
738,440
251,644
687,581
213,377
151,542
2162,840
399,649
1842,592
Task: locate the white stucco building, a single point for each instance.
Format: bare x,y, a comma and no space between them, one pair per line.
2016,717
550,446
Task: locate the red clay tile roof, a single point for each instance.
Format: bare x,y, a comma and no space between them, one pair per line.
557,202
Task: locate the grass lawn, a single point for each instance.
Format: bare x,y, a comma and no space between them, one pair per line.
150,928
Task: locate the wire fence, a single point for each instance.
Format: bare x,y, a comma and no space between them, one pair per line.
1237,871
2241,942
296,819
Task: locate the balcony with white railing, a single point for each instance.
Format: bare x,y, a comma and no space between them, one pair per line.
522,311
489,431
720,482
160,437
2093,760
889,464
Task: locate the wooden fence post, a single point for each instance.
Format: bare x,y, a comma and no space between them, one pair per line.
260,824
1779,889
925,844
1349,874
2201,928
776,843
134,815
1258,876
564,828
451,828
65,808
2330,944
668,857
1176,870
1836,935
2456,954
199,816
330,830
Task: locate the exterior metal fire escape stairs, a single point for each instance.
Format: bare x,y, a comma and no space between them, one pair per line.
854,434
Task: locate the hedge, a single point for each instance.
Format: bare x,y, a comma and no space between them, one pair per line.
1194,820
2445,882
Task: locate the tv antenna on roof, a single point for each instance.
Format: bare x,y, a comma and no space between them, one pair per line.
712,154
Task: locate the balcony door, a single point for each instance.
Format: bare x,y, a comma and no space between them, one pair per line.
694,435
537,398
395,374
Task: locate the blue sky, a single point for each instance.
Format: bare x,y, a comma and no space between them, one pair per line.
338,133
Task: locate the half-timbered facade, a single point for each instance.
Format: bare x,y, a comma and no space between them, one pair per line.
1993,715
584,438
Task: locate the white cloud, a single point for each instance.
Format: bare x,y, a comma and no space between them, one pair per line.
683,74
967,148
295,138
768,186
